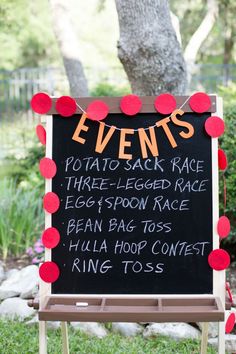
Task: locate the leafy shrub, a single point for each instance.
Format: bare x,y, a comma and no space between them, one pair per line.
228,144
106,89
21,218
26,171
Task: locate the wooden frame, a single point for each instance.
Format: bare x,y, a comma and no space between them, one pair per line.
149,308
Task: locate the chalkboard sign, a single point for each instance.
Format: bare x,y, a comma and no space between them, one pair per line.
142,225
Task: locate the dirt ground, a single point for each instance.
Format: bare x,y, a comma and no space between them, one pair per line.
16,262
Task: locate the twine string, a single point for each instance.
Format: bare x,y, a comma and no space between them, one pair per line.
152,126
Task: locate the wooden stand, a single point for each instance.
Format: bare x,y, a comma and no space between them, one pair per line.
117,309
140,308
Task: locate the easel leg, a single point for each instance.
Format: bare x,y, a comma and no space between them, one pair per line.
221,338
205,326
42,337
65,342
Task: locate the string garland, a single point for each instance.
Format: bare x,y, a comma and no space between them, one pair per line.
135,130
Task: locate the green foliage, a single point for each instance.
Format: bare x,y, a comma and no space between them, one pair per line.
229,96
228,144
107,89
20,152
26,171
18,338
20,219
26,35
21,188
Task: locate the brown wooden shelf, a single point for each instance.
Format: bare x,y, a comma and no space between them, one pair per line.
133,309
147,106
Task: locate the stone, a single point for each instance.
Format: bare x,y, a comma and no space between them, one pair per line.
213,326
22,282
230,343
10,272
212,329
15,308
127,329
34,320
50,324
90,328
175,330
30,292
53,324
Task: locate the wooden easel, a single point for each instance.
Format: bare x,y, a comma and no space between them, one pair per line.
134,309
203,308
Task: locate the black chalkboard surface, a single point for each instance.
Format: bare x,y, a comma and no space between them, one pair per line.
140,226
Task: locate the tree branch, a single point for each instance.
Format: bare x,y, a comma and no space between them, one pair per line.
69,47
202,32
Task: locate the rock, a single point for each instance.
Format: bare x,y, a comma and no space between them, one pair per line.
10,272
2,273
50,324
175,330
33,321
212,329
15,308
127,329
53,324
20,282
230,343
90,328
30,292
213,326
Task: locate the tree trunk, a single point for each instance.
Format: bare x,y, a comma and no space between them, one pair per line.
69,48
200,35
148,47
229,34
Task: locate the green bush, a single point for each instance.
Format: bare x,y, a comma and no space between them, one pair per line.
21,190
25,171
106,89
228,143
21,218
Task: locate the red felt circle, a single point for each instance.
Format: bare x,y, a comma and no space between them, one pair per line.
49,272
219,259
229,326
97,110
51,202
51,237
223,227
47,167
214,126
66,106
200,102
165,103
130,105
41,134
222,160
41,103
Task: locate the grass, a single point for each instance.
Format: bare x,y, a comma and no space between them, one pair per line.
20,218
18,338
